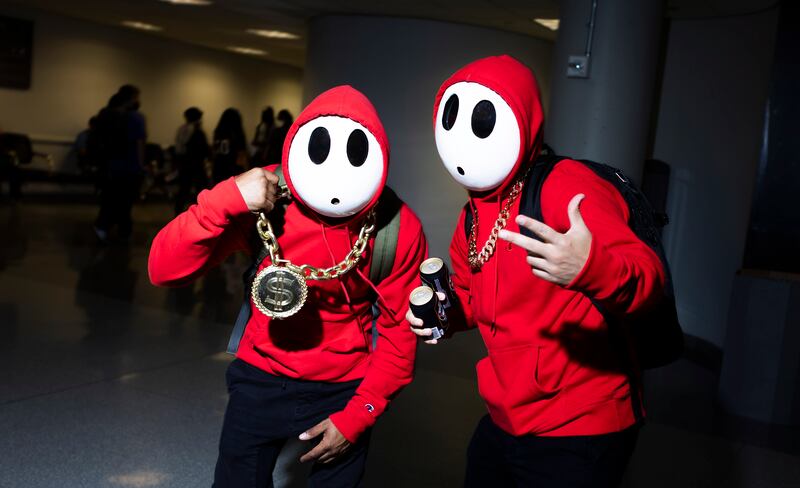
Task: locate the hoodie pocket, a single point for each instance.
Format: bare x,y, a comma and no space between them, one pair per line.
515,376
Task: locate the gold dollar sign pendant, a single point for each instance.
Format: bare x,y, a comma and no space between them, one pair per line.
279,292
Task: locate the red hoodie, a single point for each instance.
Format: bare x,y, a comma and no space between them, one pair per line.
551,369
330,338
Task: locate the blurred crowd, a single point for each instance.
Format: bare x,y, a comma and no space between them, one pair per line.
115,154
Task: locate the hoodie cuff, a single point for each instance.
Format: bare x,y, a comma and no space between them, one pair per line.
223,202
356,418
596,279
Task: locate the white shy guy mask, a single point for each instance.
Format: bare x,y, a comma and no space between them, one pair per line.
336,165
477,136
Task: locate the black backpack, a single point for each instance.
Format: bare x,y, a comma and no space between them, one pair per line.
655,335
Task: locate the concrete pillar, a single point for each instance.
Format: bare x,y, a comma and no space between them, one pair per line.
606,116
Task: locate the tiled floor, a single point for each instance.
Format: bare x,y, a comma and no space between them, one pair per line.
109,382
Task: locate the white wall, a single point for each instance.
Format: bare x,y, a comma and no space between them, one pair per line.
709,130
78,65
400,64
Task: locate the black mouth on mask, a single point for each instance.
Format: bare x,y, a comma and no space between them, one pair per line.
334,201
460,170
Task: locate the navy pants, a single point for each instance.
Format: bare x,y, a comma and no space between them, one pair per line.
496,458
120,192
263,412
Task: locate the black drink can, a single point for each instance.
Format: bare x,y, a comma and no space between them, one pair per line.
434,273
425,305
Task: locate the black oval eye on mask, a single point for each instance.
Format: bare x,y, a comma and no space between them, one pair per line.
483,119
357,147
450,112
319,145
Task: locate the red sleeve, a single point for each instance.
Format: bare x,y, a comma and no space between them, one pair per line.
462,275
201,237
622,273
391,364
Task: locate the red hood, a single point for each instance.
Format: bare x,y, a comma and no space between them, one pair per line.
342,101
516,84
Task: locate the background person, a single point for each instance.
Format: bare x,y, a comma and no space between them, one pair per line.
278,136
123,136
230,146
191,152
262,136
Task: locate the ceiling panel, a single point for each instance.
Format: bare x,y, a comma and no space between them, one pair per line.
225,22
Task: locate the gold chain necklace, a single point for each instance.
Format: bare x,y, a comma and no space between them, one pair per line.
478,259
280,289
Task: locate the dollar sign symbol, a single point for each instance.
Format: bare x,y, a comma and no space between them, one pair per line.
281,297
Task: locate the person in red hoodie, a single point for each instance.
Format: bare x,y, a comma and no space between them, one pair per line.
562,404
314,373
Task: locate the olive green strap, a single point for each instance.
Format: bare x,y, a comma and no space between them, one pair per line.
385,246
279,173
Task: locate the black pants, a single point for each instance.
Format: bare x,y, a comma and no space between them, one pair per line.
263,412
9,171
116,203
496,458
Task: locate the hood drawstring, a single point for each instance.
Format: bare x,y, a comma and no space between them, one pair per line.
360,326
333,260
496,274
383,305
469,233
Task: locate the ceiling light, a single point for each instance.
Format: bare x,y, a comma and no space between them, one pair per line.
135,24
247,50
189,2
551,24
273,34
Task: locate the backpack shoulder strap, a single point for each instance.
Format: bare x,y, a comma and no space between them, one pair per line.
259,253
385,246
279,173
530,203
468,217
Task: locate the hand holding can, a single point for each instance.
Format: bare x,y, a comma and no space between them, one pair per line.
424,304
435,274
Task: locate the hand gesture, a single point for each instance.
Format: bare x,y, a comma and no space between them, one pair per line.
557,258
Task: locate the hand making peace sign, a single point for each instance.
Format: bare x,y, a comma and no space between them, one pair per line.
557,258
